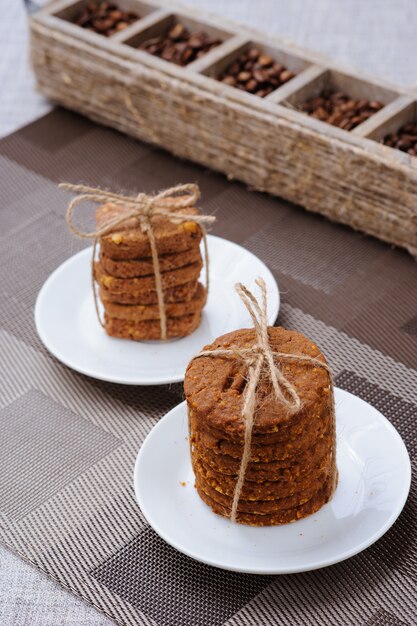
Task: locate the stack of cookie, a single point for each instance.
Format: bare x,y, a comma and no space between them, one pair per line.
126,278
292,468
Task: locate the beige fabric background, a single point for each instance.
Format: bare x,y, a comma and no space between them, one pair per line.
378,36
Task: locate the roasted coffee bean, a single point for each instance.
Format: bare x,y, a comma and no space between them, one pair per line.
338,109
243,77
179,46
104,18
265,60
176,32
256,72
405,139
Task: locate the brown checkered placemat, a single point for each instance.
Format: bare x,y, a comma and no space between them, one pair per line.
68,443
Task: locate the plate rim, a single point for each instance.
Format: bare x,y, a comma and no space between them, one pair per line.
119,379
395,513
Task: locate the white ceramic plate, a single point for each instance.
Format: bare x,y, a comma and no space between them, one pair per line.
67,324
374,481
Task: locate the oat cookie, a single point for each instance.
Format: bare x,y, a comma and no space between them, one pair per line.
180,293
129,241
143,312
179,276
151,329
144,266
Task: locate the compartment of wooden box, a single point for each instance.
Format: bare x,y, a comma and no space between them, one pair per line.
163,24
69,11
292,62
405,114
354,88
265,142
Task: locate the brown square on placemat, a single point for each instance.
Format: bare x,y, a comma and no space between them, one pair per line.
313,251
43,447
410,327
171,588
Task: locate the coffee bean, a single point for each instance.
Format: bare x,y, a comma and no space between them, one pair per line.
375,105
121,26
243,76
338,109
229,80
181,47
260,76
196,40
285,76
176,32
254,54
255,72
365,104
350,105
405,139
251,85
104,18
265,60
186,56
116,15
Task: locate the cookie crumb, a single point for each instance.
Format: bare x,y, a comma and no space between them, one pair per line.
183,483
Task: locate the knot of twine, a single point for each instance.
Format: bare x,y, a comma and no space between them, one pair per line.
144,208
260,357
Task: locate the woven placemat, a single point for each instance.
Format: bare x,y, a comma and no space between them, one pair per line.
68,443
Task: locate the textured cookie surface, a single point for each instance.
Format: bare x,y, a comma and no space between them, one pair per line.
180,293
151,329
292,465
144,266
214,385
260,507
279,517
259,471
128,241
270,489
313,431
138,313
179,276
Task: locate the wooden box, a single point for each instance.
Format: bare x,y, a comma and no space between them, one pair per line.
350,177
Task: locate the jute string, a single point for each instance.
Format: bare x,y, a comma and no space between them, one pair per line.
260,359
144,208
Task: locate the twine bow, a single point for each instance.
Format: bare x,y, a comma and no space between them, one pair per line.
259,358
144,208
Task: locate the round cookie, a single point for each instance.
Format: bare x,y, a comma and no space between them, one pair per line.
280,517
267,490
259,471
214,385
286,431
151,329
129,241
258,507
169,279
180,293
282,450
294,449
138,313
145,267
